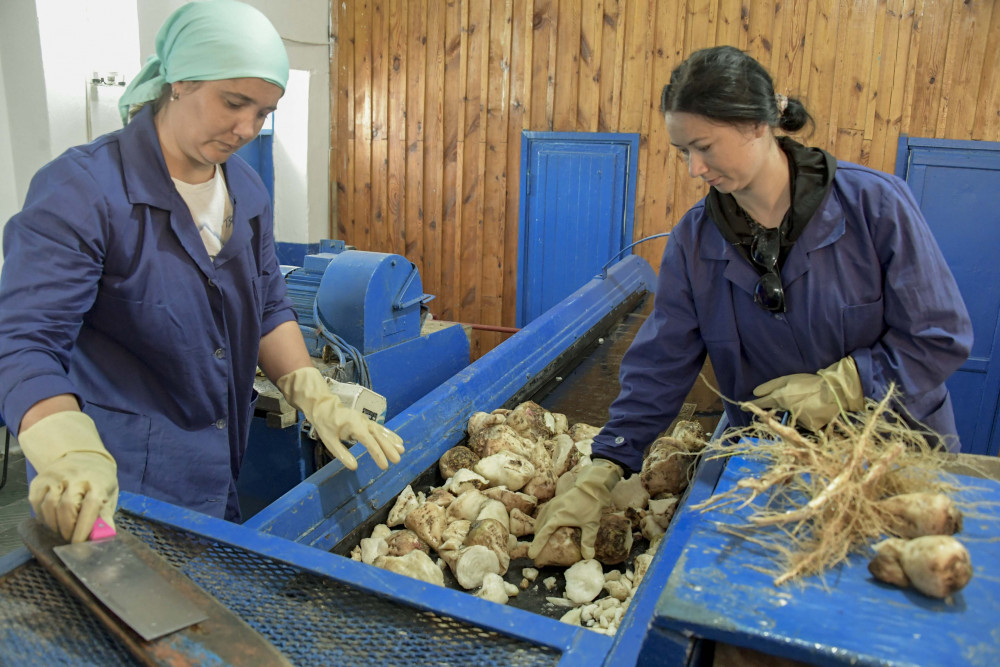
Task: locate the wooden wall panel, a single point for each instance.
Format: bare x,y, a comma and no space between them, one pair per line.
430,97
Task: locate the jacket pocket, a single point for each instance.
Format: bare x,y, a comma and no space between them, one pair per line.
863,324
126,436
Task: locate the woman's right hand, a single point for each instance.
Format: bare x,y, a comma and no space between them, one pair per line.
77,477
580,507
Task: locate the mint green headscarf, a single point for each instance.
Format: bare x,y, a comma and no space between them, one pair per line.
209,41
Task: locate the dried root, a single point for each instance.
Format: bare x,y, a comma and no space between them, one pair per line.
824,496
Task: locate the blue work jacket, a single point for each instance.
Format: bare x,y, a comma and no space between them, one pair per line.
108,293
866,278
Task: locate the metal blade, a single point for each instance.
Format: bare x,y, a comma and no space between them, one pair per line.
140,596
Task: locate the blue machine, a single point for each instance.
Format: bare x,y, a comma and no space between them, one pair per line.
363,317
365,310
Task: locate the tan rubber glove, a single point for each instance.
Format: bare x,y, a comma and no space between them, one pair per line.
306,389
77,478
815,399
579,507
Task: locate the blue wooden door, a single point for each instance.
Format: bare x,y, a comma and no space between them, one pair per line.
957,184
577,208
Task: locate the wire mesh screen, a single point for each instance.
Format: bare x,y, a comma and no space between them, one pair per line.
311,619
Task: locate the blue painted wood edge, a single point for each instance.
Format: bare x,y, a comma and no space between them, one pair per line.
14,559
819,633
902,156
333,501
578,645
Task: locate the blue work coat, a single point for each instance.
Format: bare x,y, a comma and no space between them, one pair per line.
866,278
108,293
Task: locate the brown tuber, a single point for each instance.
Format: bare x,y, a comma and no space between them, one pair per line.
403,542
428,522
935,565
532,421
667,468
563,548
918,514
614,539
455,459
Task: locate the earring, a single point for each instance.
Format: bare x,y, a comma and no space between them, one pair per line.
174,96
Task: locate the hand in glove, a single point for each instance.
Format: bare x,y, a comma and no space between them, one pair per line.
580,507
77,478
307,390
815,399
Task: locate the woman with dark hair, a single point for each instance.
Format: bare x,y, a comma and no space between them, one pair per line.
141,291
811,283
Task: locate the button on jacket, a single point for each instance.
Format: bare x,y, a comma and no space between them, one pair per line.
865,279
108,293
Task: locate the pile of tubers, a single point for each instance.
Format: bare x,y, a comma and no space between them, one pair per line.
482,517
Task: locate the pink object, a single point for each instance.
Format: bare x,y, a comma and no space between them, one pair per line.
101,530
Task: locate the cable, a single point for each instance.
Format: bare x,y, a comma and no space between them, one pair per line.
343,347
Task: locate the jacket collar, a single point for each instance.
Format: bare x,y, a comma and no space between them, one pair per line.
827,225
147,181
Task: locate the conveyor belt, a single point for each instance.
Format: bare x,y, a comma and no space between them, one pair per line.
581,385
313,620
276,571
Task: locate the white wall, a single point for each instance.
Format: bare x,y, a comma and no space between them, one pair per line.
24,96
48,48
8,191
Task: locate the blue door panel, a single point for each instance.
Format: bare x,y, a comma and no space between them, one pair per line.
577,203
957,184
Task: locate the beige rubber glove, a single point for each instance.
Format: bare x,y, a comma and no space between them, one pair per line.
579,507
77,478
306,390
815,399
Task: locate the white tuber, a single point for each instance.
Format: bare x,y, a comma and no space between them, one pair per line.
493,589
466,506
542,486
492,534
406,502
512,499
372,548
584,581
381,530
521,524
482,420
506,469
415,564
572,616
465,480
473,564
642,562
493,509
936,565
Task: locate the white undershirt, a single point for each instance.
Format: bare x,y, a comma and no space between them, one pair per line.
211,210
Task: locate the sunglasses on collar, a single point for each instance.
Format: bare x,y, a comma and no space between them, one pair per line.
764,251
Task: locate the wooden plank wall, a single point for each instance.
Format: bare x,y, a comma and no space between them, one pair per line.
429,99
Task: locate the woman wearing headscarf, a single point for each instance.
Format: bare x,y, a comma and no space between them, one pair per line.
141,291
